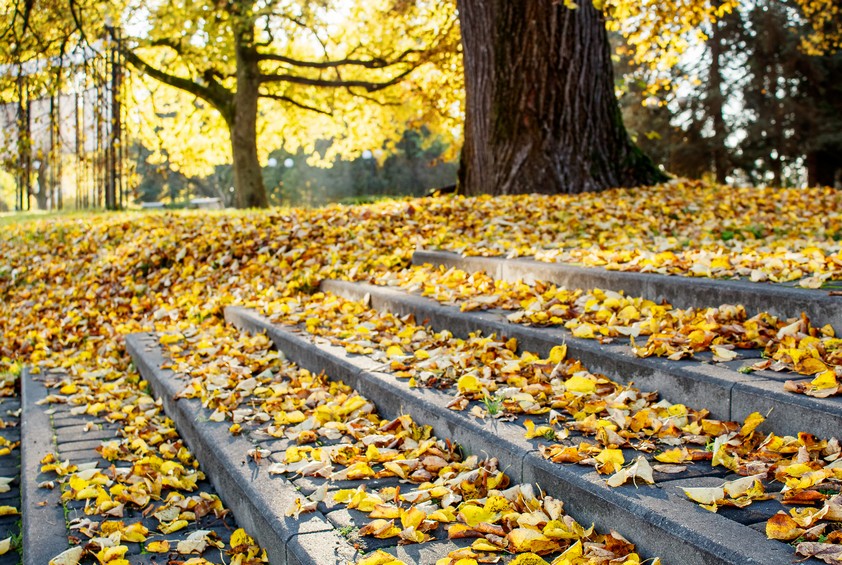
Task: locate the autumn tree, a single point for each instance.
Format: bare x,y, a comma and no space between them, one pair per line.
232,54
794,98
26,78
784,102
254,58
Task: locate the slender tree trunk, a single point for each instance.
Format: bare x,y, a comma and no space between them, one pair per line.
242,124
824,167
42,199
715,106
542,115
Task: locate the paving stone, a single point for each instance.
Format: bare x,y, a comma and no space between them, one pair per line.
65,420
74,433
88,446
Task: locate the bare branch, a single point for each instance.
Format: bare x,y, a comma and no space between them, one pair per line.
368,86
296,103
212,93
373,63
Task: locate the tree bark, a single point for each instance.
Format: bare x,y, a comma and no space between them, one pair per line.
541,111
242,124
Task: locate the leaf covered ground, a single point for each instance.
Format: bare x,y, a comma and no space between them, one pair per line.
71,288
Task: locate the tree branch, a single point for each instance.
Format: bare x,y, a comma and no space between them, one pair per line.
213,93
282,98
373,63
368,86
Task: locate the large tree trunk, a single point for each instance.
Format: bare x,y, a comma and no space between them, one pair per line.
242,123
542,115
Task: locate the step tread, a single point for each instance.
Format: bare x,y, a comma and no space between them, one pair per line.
726,392
779,299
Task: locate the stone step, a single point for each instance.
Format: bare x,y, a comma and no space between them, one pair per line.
260,499
53,428
43,525
659,519
257,499
720,388
782,300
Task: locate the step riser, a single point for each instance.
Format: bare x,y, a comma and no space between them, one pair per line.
681,292
728,394
666,524
257,500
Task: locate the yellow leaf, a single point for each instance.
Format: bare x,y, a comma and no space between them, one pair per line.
704,495
570,554
811,366
381,529
676,455
723,353
160,546
413,517
173,526
168,339
344,495
532,431
580,384
135,533
528,559
380,557
556,529
826,380
68,557
482,544
468,384
473,515
640,469
754,419
394,351
611,460
558,353
240,537
444,515
528,540
584,331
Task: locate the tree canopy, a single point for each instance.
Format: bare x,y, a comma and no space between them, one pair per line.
268,74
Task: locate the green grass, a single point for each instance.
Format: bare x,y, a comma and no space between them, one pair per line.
11,218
